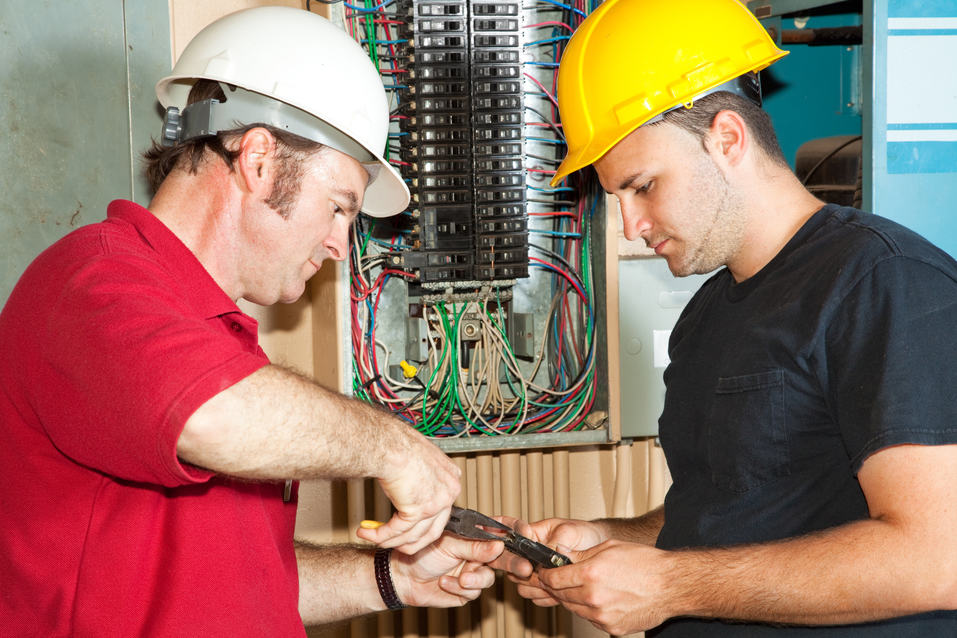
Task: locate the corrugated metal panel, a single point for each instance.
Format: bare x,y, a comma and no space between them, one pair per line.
72,79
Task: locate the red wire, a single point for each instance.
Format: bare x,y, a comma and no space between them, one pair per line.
550,23
554,213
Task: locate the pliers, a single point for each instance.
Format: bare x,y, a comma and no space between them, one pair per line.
470,524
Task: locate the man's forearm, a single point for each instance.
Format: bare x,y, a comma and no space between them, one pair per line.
336,582
642,529
277,424
858,572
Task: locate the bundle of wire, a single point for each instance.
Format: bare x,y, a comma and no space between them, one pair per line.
475,385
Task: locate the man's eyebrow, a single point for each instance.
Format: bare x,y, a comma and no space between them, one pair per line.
630,179
351,198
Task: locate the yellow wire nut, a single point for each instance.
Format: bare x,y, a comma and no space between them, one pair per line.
408,370
371,524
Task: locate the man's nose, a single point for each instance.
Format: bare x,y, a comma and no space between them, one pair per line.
337,243
634,220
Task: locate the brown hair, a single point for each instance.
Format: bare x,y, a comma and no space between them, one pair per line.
698,119
291,151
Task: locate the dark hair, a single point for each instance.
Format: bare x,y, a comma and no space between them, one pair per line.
291,151
698,119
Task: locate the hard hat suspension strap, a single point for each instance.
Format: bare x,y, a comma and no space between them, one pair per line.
242,108
747,85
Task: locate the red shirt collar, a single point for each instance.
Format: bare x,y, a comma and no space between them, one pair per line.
201,290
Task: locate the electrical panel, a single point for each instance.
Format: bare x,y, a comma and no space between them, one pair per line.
463,140
476,314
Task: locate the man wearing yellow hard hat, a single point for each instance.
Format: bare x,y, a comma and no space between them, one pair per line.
809,422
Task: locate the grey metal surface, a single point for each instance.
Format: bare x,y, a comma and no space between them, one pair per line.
650,301
76,107
522,441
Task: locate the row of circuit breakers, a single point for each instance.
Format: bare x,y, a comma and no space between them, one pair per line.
462,137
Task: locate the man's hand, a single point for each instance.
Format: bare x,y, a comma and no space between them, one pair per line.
614,585
422,483
561,534
448,573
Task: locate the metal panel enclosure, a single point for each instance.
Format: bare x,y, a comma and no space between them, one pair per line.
78,108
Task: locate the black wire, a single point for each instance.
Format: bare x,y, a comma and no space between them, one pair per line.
556,202
829,155
550,160
548,121
560,259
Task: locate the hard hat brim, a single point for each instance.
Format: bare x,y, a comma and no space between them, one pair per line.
388,193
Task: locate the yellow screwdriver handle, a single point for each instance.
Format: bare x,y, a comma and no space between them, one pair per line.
371,524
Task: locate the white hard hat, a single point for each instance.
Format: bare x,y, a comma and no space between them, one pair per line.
300,73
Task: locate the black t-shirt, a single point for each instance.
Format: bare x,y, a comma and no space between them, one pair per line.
780,387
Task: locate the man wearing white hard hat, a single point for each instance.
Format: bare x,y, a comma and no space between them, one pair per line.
156,448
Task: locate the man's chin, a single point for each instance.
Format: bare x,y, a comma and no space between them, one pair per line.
292,296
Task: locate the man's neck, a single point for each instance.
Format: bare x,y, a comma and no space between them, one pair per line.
779,207
201,210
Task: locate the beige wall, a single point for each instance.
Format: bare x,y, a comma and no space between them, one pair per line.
621,480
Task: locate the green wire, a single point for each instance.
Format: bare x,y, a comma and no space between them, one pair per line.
430,424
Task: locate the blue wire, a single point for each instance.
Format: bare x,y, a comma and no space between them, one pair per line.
563,6
546,41
551,190
365,41
551,65
369,10
545,139
553,233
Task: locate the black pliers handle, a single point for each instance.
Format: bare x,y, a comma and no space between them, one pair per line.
472,524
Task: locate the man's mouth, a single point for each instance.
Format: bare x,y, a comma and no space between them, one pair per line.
658,247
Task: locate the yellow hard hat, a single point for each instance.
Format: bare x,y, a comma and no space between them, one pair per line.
632,60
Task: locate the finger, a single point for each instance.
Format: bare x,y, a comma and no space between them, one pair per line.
561,578
450,585
416,536
537,596
434,530
518,525
514,565
397,530
533,591
476,577
482,552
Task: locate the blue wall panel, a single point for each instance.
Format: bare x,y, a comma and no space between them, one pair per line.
911,154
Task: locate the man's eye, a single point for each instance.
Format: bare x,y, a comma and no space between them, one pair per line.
644,188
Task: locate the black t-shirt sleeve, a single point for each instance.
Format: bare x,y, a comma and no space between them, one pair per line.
892,359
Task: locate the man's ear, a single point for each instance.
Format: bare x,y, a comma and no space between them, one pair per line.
729,137
256,161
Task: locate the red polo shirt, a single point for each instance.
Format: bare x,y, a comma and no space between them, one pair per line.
110,341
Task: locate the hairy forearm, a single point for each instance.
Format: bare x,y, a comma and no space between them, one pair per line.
277,424
642,529
858,572
336,582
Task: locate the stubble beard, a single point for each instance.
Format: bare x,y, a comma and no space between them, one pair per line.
714,244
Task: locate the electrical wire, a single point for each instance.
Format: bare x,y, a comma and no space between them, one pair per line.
469,377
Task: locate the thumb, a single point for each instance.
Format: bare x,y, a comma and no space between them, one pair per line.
486,551
578,556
